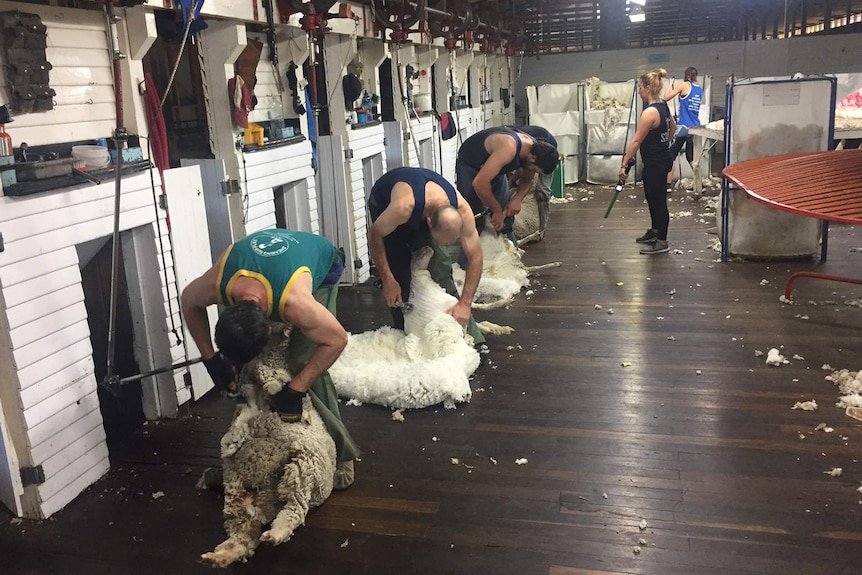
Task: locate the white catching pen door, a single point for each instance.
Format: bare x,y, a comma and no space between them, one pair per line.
191,243
10,479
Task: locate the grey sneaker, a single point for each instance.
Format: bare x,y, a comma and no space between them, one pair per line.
650,236
656,247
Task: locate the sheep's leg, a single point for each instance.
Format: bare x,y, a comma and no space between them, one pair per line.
494,304
237,433
243,523
534,237
533,269
286,522
294,491
488,327
306,482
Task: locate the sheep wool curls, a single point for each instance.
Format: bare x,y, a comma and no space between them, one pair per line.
273,471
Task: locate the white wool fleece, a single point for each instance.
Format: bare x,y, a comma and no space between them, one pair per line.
503,273
389,368
429,363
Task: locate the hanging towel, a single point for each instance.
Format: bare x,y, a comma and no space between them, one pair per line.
240,99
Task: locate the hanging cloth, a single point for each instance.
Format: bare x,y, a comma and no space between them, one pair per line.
156,125
240,100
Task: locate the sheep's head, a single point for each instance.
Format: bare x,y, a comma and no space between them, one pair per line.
421,257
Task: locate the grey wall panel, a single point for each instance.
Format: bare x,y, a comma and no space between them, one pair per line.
752,59
827,54
764,58
717,59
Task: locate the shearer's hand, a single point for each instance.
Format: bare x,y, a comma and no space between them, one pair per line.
461,312
288,404
497,220
391,292
514,207
221,372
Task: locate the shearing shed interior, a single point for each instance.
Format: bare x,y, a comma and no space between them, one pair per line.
322,287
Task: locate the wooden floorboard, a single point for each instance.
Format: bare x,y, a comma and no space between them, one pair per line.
687,460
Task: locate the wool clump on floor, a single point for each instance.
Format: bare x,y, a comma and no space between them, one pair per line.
429,363
849,385
273,471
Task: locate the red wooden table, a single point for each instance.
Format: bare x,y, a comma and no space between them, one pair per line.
822,185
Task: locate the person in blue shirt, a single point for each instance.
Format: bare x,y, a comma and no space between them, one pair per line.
690,95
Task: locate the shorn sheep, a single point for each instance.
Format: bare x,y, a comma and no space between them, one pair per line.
429,363
273,471
503,272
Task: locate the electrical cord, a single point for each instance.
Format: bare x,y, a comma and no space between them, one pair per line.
191,17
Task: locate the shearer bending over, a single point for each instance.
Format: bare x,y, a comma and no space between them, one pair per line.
282,276
484,160
543,187
411,208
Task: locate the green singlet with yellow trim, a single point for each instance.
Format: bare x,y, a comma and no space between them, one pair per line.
276,258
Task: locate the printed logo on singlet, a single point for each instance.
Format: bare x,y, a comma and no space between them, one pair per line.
269,245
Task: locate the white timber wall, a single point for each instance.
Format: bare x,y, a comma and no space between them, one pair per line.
269,103
48,366
749,59
362,171
82,77
263,170
449,153
425,133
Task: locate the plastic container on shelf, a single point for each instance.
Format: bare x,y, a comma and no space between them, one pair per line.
6,148
95,157
253,135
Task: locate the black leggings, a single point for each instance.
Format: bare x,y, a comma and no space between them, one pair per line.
678,143
654,178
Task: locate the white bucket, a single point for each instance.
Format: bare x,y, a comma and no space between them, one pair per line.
94,157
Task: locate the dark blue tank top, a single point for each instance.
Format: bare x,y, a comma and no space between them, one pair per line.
655,146
537,133
473,153
416,178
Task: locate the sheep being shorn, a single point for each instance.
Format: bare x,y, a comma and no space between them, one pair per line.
273,471
503,272
429,363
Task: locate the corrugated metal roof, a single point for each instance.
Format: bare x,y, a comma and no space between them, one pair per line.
547,26
575,25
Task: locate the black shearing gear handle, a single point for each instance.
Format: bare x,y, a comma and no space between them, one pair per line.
619,187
